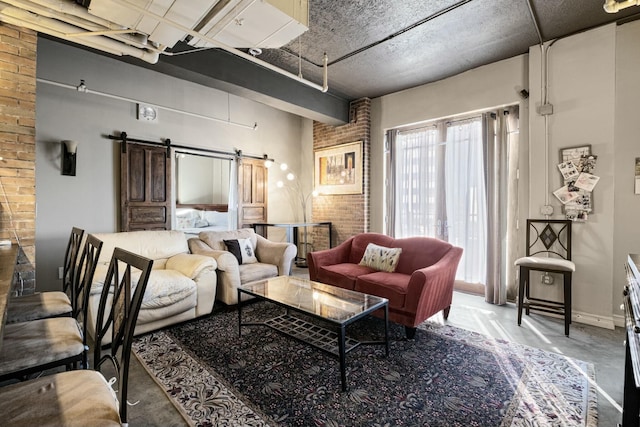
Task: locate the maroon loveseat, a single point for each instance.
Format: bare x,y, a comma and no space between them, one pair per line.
420,286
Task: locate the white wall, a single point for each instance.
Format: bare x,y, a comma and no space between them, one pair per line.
493,85
90,199
626,232
594,91
583,99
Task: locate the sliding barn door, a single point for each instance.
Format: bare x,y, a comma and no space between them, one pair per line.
252,192
145,187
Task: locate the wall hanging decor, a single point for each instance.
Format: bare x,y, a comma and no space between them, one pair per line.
338,169
576,167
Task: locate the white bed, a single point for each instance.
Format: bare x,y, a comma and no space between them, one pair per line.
193,220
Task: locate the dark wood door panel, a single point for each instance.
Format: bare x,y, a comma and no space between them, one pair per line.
136,181
253,213
259,183
158,177
145,188
247,183
252,191
145,215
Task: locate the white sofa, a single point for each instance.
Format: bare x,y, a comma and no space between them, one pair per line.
274,259
182,286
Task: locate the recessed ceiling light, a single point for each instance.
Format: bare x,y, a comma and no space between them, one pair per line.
255,51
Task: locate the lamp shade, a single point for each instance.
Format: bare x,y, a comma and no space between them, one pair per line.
69,151
72,146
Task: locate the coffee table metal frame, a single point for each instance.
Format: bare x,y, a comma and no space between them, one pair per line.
323,338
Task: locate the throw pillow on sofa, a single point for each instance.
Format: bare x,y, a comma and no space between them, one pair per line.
242,250
381,258
234,247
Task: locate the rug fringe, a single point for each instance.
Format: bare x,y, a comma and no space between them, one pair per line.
592,400
180,409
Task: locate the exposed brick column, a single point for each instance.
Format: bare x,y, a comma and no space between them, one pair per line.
348,213
17,147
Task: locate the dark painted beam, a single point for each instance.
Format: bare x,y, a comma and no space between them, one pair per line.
222,70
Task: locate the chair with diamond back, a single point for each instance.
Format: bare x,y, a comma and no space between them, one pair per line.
84,397
37,345
42,305
548,251
120,303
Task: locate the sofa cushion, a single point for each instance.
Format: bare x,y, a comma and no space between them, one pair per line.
342,275
156,245
233,247
215,239
361,241
156,313
248,251
242,249
257,271
381,258
419,252
166,287
392,286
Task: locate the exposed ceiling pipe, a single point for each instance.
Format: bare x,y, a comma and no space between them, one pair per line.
71,8
56,28
227,48
75,15
82,88
613,6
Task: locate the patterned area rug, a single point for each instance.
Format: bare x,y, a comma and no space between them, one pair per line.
446,377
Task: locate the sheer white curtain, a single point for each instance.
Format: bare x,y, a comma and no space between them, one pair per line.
416,170
466,199
456,181
233,195
439,190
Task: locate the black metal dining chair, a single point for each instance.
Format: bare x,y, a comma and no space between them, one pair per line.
42,305
84,397
548,251
38,345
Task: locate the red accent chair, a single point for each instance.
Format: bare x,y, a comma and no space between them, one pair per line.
421,285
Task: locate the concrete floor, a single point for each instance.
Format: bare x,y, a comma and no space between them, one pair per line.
604,348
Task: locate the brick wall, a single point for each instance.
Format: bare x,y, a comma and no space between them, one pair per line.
17,147
348,213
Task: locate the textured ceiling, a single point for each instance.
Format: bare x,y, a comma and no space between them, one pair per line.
379,47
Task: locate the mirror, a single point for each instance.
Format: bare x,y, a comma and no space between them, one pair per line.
201,179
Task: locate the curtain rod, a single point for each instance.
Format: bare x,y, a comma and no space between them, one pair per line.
167,143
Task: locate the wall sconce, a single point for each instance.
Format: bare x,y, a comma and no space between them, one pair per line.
69,149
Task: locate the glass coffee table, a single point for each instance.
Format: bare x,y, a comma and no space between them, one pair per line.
335,307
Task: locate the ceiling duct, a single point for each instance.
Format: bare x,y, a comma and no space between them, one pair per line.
70,25
214,42
236,23
613,6
145,29
255,23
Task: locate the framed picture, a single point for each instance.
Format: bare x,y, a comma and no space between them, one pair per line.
573,154
338,169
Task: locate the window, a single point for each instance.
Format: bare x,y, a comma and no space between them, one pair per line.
439,185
